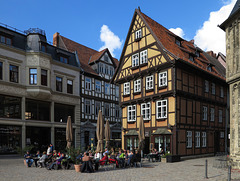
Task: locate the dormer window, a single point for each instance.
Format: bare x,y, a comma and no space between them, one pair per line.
63,59
191,58
197,53
138,34
5,40
178,42
209,67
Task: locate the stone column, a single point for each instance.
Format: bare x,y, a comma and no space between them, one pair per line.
23,108
52,124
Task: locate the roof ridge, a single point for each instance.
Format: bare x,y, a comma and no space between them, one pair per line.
79,43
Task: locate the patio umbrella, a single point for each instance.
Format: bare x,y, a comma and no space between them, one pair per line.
141,134
100,131
69,132
107,134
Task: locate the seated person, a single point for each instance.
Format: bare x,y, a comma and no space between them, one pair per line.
57,162
137,156
42,159
131,157
121,158
87,163
29,159
113,159
37,156
104,159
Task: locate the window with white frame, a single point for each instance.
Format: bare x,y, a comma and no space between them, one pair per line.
163,79
117,91
213,88
189,139
98,86
107,110
135,60
149,82
87,106
206,86
107,88
197,139
126,88
131,113
138,34
205,113
146,111
87,83
137,85
212,114
221,92
204,139
161,107
97,107
221,134
143,57
220,116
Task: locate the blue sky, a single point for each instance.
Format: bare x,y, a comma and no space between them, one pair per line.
83,21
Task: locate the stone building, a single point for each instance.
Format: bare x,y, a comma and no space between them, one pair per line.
39,88
231,27
178,89
96,91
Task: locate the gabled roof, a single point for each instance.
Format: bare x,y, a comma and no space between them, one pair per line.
85,54
167,40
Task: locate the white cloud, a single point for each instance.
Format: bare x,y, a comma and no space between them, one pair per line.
178,31
210,36
111,41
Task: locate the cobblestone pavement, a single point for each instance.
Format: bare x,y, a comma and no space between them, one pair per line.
12,168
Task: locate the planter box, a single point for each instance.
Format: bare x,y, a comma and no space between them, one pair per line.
164,160
173,158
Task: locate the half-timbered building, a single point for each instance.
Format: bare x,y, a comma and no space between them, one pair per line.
96,91
178,89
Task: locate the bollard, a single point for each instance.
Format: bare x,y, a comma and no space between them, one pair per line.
229,173
206,170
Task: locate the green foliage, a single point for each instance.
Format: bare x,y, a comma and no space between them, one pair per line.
24,150
73,153
166,154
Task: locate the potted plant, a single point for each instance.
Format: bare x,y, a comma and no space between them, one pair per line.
165,157
73,153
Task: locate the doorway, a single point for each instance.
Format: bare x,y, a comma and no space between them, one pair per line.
216,142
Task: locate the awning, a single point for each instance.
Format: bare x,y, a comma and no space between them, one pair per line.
132,133
161,131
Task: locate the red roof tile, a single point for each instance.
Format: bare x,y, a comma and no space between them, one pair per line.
168,41
85,54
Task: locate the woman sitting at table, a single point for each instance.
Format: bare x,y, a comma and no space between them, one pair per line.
87,163
104,159
97,158
36,157
42,159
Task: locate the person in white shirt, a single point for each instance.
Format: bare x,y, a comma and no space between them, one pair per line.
48,150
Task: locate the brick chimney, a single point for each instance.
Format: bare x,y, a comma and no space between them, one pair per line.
56,39
211,53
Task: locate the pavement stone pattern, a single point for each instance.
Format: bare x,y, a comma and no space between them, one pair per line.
12,168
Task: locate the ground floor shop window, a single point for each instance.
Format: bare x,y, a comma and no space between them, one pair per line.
61,113
162,143
60,139
39,137
10,107
10,139
37,110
